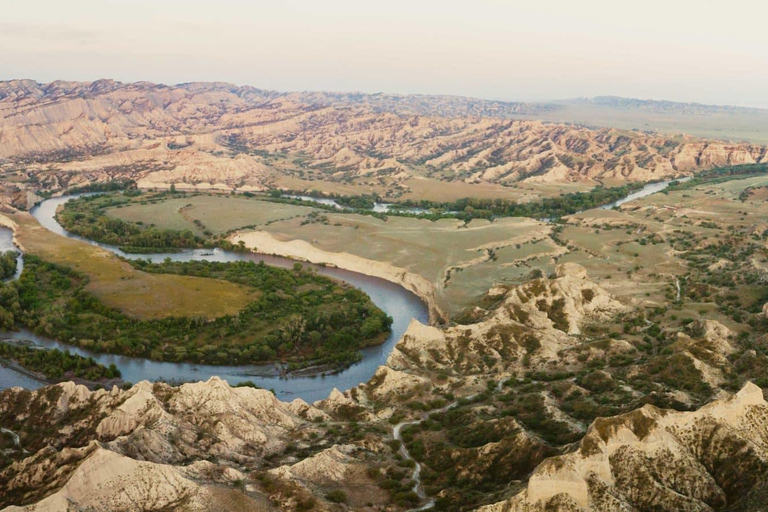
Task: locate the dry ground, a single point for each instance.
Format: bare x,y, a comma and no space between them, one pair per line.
133,292
464,261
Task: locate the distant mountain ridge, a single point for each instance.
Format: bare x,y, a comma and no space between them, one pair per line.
226,136
688,108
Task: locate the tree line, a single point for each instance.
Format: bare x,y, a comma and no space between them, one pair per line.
297,317
56,364
86,216
8,264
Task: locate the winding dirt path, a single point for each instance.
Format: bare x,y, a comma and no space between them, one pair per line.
397,434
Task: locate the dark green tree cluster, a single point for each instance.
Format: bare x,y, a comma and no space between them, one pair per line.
109,186
85,217
546,208
363,202
719,175
55,364
297,317
8,264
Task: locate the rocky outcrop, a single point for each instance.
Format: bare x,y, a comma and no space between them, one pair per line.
108,481
654,459
266,243
112,450
222,137
327,467
533,322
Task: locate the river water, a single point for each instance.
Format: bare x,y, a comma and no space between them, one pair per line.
647,190
397,302
377,207
400,304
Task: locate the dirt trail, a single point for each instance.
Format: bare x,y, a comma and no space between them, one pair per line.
15,437
397,434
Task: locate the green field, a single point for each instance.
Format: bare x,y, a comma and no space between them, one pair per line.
215,213
117,284
433,250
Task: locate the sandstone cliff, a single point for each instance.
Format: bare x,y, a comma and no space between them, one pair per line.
218,136
154,447
715,458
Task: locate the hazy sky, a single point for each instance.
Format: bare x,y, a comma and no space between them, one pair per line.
712,52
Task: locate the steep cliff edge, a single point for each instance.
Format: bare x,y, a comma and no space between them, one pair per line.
715,458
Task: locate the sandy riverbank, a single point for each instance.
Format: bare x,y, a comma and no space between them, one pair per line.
264,243
6,222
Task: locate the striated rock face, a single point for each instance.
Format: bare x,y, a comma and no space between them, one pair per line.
219,136
653,459
106,480
112,450
532,321
329,466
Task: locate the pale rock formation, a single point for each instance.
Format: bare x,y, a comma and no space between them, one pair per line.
107,481
219,137
535,320
327,467
719,265
658,459
130,440
388,384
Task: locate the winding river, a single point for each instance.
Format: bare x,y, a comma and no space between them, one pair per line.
400,304
397,302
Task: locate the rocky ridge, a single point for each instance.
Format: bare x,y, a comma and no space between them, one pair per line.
219,136
711,459
115,448
205,445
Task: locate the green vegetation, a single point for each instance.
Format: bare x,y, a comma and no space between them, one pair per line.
297,316
118,285
471,452
337,496
55,364
8,264
546,208
363,202
434,250
470,208
128,185
86,217
719,175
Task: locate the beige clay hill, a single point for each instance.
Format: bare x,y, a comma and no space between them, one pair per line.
219,136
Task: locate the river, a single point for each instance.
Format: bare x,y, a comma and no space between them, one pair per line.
377,207
647,190
397,302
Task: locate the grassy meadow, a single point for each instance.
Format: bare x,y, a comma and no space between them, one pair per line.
139,294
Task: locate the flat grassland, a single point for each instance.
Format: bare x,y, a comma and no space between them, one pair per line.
463,261
635,253
643,251
215,213
117,284
426,188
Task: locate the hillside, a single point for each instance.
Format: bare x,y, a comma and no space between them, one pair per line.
213,135
507,445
